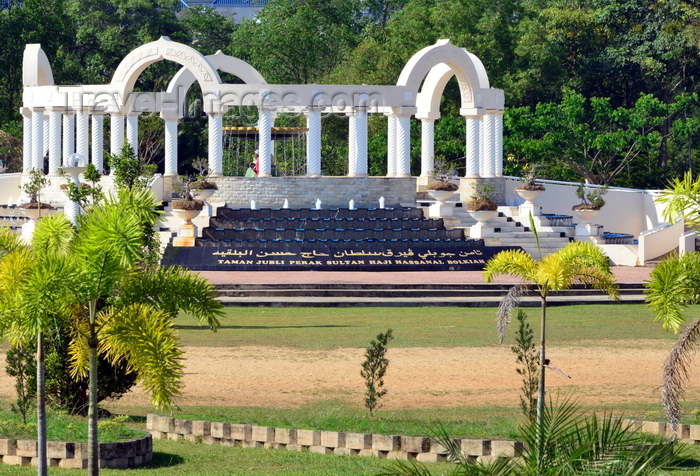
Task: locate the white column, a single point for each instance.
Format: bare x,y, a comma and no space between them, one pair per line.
116,133
132,132
68,134
427,147
37,138
26,139
391,146
488,145
265,145
313,143
47,130
55,122
352,144
498,145
170,147
82,134
216,144
473,149
403,146
361,143
98,140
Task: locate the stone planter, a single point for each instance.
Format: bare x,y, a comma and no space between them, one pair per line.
186,215
587,215
203,193
529,195
482,216
440,195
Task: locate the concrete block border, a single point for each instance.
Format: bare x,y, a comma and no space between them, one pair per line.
120,455
323,442
422,449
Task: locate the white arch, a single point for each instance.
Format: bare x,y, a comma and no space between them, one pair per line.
183,80
140,58
36,69
470,74
428,100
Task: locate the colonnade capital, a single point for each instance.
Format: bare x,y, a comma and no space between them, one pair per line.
170,116
403,111
472,112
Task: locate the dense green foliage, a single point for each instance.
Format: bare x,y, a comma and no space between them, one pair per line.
604,90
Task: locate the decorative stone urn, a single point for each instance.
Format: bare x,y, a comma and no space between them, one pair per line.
587,214
186,215
440,195
203,193
529,207
528,195
482,216
440,209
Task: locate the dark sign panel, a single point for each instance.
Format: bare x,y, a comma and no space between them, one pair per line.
351,256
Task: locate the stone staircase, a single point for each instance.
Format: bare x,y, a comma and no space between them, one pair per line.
406,295
508,230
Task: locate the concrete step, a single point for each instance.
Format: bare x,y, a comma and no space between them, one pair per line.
353,301
407,295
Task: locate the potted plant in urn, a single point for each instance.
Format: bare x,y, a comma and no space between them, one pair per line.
530,189
481,207
37,181
591,202
201,187
186,207
440,188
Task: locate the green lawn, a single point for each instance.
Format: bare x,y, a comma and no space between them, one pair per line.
319,328
323,328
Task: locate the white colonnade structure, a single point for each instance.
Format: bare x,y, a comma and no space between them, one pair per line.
65,119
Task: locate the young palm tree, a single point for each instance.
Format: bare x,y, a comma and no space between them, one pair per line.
124,309
32,298
578,262
573,445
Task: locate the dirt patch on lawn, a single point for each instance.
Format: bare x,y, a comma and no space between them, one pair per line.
626,372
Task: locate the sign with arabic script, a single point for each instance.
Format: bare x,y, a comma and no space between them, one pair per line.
355,256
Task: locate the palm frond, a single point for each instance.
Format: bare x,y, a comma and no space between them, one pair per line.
553,274
505,308
674,284
597,278
138,202
516,263
174,289
584,254
52,234
682,200
144,338
9,241
79,349
676,369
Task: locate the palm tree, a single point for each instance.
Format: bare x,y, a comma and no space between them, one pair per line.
119,304
578,262
124,308
673,287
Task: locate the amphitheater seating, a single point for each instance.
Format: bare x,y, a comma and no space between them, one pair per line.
329,225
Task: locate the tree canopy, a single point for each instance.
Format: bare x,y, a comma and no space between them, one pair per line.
630,66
